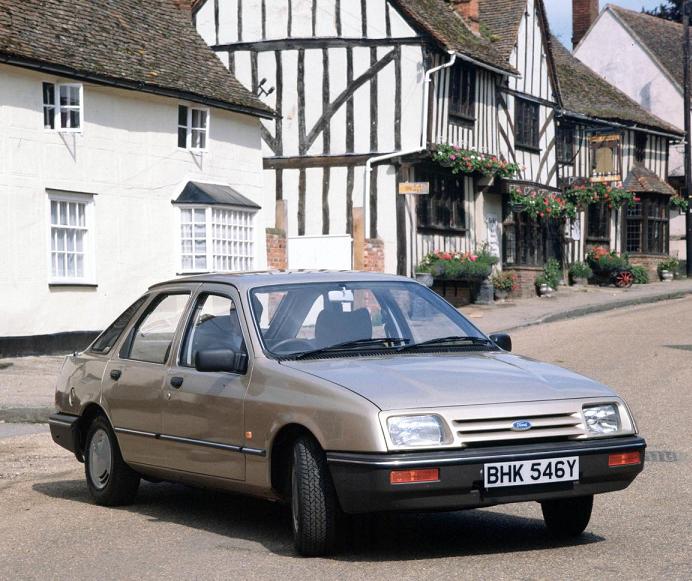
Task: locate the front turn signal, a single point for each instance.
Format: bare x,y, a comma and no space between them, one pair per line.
411,476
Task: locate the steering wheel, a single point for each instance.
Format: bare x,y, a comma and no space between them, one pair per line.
299,345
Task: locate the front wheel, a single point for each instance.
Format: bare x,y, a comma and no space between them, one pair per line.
567,517
314,507
111,482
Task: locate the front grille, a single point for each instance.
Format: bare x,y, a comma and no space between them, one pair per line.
475,432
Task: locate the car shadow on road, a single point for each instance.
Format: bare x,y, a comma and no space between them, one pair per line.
385,537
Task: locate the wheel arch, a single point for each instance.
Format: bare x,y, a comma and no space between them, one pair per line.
279,454
90,412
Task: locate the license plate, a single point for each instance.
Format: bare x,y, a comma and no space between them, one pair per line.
531,472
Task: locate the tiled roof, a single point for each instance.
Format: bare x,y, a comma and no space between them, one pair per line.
585,93
439,19
150,47
642,180
663,38
500,20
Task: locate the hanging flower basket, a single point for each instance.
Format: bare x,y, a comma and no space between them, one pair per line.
679,203
541,204
468,161
591,193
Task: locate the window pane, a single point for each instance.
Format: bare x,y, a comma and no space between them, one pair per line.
72,214
49,94
108,338
182,115
63,96
215,326
195,118
186,215
49,118
73,96
186,230
74,119
153,338
182,137
53,212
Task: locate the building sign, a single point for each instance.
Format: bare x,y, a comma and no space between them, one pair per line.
605,158
417,188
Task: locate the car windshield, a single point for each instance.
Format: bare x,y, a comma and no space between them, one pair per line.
298,320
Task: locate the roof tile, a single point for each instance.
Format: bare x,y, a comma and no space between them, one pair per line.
151,46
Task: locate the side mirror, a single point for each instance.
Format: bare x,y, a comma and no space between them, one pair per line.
221,360
502,340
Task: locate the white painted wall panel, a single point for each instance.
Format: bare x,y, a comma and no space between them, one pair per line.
228,20
277,19
205,23
351,22
326,18
127,157
317,252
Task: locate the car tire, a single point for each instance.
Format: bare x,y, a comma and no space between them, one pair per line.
111,482
567,517
314,507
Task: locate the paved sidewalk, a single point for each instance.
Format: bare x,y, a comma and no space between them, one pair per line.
570,302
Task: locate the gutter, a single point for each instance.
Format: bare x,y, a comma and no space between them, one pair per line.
424,130
567,113
141,86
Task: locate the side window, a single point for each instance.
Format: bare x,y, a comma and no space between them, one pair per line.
152,338
215,325
105,341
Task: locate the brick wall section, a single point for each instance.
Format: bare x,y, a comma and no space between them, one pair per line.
526,280
648,262
277,256
373,259
584,13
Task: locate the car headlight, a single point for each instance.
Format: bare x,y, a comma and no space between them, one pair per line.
602,419
416,430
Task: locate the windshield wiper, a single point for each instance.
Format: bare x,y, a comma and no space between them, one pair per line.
346,345
454,339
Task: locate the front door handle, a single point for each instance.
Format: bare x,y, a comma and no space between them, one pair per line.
115,374
177,382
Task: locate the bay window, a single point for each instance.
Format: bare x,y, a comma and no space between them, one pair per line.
646,225
214,238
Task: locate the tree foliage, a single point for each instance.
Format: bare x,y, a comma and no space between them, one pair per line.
670,10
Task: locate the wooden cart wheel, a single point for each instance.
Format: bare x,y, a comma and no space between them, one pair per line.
624,279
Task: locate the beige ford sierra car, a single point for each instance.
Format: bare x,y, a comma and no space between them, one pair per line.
337,393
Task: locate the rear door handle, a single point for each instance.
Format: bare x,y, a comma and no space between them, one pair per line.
177,382
115,374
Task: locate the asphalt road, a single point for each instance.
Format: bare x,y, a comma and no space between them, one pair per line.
50,529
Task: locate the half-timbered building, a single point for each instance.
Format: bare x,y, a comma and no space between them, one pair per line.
367,90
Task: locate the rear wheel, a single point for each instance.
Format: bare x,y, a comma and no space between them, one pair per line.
111,482
314,507
567,517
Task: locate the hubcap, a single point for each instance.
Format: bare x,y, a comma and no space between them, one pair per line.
100,459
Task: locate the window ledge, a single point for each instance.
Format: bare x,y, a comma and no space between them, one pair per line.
75,284
441,230
461,119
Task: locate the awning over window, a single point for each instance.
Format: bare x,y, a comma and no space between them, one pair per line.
213,195
643,180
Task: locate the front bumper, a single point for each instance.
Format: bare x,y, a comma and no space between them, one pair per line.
362,481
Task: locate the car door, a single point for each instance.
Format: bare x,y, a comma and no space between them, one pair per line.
134,378
203,412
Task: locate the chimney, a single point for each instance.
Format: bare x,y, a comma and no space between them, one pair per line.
470,11
584,13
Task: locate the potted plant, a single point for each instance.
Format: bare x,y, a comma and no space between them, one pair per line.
504,283
667,268
543,286
580,273
457,276
553,272
425,278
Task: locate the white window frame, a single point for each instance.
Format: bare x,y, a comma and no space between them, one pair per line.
89,270
57,119
209,237
189,128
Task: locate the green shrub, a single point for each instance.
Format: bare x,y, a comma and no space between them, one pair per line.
641,275
580,270
671,264
553,272
505,281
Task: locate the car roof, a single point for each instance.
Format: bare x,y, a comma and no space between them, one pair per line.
247,280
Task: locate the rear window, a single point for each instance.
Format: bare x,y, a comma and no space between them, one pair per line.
105,341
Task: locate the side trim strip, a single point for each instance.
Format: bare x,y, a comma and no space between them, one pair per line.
417,459
194,442
205,443
136,432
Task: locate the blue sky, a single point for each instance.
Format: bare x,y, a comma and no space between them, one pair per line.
560,14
